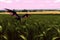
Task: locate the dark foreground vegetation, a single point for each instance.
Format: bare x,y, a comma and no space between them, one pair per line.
36,27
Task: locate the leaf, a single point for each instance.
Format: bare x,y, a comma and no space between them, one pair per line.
23,37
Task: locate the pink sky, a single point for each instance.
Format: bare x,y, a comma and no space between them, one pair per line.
30,4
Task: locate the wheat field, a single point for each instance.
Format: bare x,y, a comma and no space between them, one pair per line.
39,12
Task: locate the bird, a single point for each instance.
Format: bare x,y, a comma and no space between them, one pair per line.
18,17
26,15
13,13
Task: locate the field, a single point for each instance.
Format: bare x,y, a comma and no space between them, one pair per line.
38,12
36,27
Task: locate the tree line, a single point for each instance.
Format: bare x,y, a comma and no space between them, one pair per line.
30,10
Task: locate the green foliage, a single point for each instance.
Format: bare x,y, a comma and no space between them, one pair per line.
36,27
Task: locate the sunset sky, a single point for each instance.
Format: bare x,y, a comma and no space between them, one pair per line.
30,4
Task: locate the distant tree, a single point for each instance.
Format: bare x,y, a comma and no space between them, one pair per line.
24,10
2,10
34,10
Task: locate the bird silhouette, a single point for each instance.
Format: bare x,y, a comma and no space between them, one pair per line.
13,13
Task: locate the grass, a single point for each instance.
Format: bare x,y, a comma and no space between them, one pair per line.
36,27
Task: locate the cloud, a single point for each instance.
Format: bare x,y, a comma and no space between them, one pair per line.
56,1
9,1
17,0
6,1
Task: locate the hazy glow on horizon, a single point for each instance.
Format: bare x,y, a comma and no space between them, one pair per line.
30,4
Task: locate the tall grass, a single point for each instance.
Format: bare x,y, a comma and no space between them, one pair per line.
36,27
